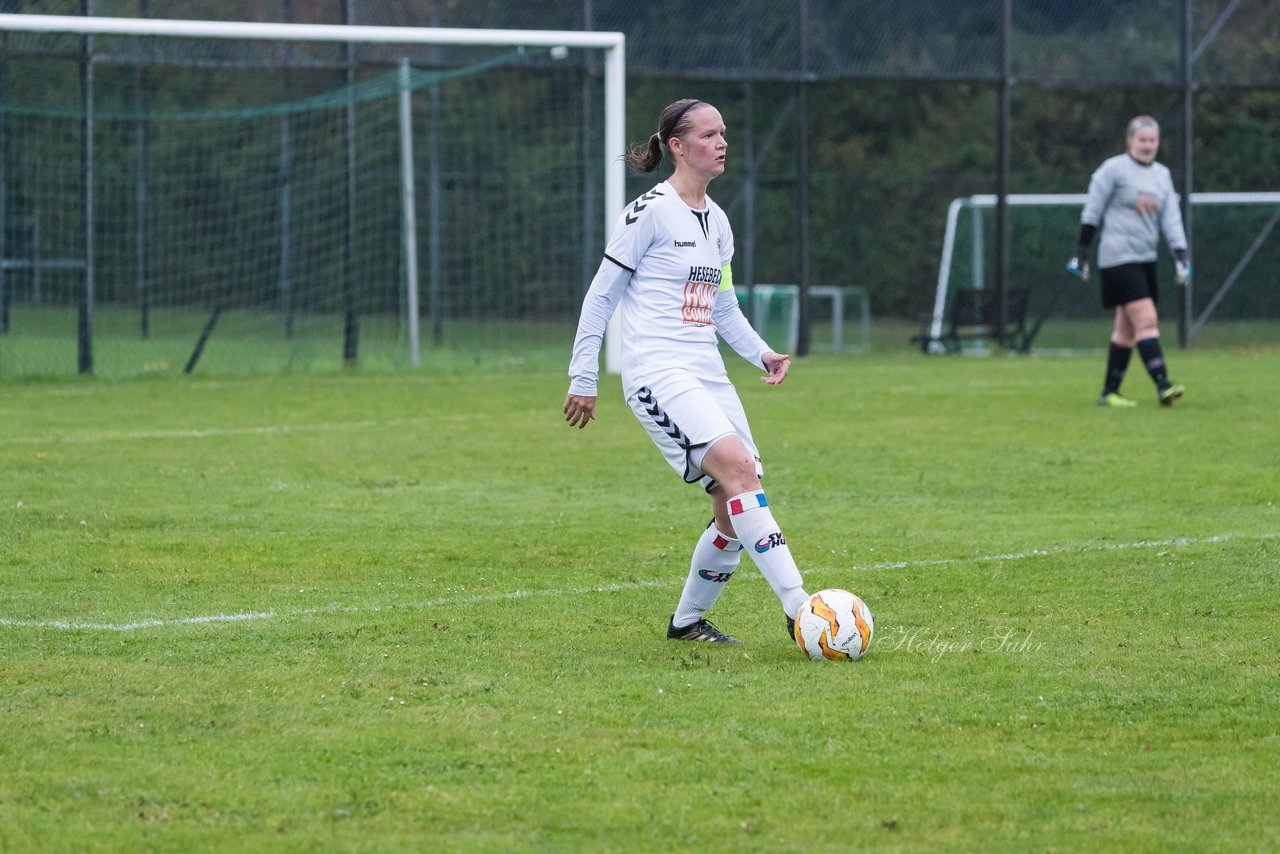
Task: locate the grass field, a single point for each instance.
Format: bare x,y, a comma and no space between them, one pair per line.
380,611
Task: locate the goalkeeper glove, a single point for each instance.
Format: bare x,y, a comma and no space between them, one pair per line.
1078,264
1181,266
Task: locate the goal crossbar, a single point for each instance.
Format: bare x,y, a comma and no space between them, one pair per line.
89,25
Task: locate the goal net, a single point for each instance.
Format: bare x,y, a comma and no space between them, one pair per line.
1236,256
235,198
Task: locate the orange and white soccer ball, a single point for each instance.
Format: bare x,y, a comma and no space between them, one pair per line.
834,624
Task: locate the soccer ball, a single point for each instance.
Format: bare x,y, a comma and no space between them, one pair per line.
834,624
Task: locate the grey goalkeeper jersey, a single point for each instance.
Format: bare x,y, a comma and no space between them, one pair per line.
1130,236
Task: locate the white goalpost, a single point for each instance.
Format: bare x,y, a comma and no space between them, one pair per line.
976,204
610,114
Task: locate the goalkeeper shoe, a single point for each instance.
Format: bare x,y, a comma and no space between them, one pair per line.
1114,398
702,631
1169,394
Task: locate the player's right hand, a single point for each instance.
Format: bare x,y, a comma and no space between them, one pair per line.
1078,266
579,409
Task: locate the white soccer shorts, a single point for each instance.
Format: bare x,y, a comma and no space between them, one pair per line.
684,415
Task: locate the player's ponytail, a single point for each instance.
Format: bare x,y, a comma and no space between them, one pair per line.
644,158
672,122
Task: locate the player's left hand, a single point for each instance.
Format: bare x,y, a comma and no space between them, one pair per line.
777,364
1181,271
579,409
1181,266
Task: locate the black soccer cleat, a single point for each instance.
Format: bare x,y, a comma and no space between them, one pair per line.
791,629
701,631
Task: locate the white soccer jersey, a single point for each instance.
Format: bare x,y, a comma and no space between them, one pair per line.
1130,236
674,300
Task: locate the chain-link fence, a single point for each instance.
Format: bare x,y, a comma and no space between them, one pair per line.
853,126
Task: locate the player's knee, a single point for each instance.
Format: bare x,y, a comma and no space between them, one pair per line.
741,477
731,464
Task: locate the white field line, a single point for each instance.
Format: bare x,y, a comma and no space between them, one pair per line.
141,624
1140,544
328,609
40,392
209,433
583,591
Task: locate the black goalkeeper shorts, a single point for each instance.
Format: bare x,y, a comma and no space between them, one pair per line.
1129,283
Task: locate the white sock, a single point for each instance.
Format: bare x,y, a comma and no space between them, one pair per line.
715,557
762,539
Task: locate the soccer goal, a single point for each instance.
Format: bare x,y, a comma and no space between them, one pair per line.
259,196
840,316
1234,258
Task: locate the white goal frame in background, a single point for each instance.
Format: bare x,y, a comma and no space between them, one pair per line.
612,44
980,202
758,302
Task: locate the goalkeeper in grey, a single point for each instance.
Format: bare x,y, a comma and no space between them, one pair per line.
1132,201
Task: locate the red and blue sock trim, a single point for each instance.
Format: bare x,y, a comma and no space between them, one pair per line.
724,544
748,501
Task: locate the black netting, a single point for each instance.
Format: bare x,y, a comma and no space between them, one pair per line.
1130,42
202,148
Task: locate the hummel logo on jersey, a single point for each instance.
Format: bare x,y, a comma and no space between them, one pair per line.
637,207
773,540
686,244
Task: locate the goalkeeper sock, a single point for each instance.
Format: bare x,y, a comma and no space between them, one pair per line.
761,538
1153,358
715,557
1117,364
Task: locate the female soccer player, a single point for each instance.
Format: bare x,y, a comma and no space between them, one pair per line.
1132,197
666,269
